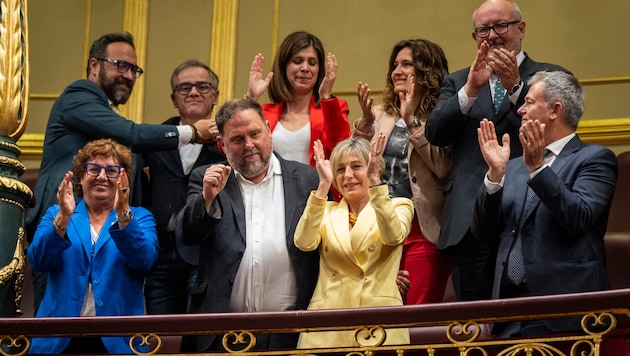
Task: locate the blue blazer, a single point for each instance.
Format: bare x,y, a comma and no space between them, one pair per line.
447,125
116,264
222,241
563,234
82,114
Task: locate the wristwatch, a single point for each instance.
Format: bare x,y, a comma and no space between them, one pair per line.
414,123
127,216
516,87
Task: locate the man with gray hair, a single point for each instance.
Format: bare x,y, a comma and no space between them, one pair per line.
547,210
493,87
194,93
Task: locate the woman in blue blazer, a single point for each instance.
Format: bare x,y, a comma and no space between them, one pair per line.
96,251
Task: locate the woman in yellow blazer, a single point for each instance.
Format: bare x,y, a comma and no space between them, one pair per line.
360,238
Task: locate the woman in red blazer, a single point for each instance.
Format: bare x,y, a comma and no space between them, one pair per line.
303,108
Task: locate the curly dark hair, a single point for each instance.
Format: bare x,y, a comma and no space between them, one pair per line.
431,68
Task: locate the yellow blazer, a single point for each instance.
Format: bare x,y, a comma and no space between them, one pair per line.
357,267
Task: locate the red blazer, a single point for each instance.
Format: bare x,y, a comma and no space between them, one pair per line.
329,122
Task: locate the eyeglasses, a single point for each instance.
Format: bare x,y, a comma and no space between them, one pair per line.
499,29
94,169
124,66
186,88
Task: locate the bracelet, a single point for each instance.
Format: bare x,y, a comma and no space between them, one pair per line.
195,134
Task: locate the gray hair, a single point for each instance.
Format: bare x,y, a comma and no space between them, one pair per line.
563,88
193,63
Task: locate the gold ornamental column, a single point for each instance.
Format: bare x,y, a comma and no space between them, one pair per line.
15,196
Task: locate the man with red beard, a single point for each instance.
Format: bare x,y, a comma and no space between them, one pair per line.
85,111
493,87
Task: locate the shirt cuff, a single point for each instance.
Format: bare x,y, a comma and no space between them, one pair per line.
465,102
185,134
492,187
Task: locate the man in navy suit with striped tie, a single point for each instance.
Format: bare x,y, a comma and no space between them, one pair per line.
546,212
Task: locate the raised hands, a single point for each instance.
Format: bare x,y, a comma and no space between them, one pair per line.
258,84
324,171
376,163
121,204
214,179
495,155
409,101
480,72
532,137
65,199
503,63
65,195
500,61
325,88
366,101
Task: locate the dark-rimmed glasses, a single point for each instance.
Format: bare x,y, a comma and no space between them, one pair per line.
186,88
94,169
124,66
499,29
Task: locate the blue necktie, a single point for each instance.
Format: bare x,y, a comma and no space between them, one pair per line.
515,264
498,95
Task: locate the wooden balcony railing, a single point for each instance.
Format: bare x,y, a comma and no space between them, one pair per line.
459,328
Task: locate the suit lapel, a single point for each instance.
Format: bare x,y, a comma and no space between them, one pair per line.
80,224
232,193
291,183
571,147
341,236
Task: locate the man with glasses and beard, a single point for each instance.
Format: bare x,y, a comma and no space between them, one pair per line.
85,111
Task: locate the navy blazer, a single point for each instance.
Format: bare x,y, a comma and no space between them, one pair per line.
222,241
448,125
563,234
82,114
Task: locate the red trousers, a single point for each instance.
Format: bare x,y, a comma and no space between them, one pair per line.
428,268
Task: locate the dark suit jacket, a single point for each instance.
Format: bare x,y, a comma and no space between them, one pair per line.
82,114
223,241
563,235
169,187
448,125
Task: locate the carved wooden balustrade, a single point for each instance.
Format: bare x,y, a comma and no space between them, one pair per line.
459,328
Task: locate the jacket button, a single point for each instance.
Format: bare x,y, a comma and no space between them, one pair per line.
361,275
334,275
371,248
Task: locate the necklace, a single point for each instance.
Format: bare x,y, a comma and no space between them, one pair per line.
352,218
